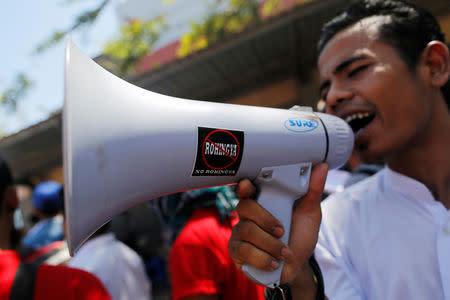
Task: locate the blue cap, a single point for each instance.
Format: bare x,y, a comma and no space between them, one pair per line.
47,197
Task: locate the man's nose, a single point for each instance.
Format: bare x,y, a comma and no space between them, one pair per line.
336,96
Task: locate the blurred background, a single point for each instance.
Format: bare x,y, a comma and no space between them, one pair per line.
252,52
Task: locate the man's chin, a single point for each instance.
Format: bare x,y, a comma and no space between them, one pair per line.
366,155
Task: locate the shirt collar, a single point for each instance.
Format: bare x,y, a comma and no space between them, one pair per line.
408,186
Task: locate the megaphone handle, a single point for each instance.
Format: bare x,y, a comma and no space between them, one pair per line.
279,188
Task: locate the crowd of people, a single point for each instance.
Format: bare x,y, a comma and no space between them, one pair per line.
27,280
198,225
101,256
384,233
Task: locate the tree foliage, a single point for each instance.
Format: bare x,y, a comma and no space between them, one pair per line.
135,41
137,37
19,88
219,24
11,96
85,18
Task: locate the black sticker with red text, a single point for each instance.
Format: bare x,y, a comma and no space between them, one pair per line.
219,152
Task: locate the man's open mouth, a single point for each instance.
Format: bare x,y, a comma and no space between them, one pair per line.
358,121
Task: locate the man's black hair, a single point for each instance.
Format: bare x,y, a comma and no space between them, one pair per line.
6,178
408,29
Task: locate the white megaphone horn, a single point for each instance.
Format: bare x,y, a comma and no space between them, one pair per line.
124,145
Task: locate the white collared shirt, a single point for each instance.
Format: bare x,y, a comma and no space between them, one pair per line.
120,269
385,238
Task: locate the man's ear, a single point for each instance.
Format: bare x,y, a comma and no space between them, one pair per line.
436,58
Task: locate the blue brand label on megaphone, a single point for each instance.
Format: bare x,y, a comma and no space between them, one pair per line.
301,124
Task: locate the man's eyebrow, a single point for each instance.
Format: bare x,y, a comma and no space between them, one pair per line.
340,68
348,62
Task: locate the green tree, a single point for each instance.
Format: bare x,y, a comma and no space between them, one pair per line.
22,84
137,37
135,41
219,24
84,19
19,88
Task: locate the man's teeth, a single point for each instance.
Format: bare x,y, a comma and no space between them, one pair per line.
354,116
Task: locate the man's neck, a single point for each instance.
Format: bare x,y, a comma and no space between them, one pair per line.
427,158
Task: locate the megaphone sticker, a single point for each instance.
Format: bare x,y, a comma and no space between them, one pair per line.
219,152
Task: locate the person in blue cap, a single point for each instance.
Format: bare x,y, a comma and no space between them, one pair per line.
47,205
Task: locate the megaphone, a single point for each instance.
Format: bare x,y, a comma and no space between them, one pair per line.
123,145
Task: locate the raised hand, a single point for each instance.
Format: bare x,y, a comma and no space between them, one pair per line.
254,239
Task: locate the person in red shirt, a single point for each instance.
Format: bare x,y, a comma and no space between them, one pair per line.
200,265
19,280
